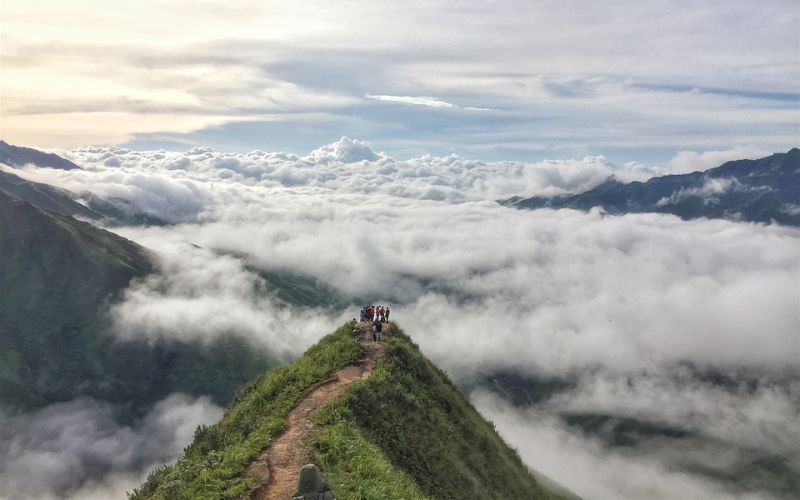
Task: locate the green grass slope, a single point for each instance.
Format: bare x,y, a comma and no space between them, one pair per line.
406,432
57,277
411,415
213,465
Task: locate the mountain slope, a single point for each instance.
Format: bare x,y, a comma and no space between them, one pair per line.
57,277
404,432
763,190
16,156
44,196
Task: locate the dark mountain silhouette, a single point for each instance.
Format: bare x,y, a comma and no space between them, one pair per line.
44,196
763,190
16,156
111,211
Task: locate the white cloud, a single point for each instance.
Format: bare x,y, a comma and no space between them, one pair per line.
198,295
588,469
712,186
430,102
614,303
560,75
178,186
693,161
585,289
77,449
761,416
416,101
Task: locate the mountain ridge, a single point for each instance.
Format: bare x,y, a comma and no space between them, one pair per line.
405,431
59,275
762,190
18,156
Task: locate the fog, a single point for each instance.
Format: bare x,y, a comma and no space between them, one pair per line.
628,308
77,449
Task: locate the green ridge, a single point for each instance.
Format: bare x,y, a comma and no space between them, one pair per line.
58,276
405,432
213,465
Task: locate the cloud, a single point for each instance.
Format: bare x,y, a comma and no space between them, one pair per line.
345,150
199,295
588,469
585,289
753,413
693,161
179,187
557,77
415,101
708,192
78,450
621,306
430,102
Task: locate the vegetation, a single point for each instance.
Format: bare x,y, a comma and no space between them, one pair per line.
305,291
213,465
58,276
353,466
409,413
405,432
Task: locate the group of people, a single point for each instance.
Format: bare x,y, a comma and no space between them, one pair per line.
375,313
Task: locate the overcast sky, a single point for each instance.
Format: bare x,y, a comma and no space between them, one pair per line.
521,80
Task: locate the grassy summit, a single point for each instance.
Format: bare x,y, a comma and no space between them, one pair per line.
405,432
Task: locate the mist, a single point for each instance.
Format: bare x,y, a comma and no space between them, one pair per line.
629,309
78,450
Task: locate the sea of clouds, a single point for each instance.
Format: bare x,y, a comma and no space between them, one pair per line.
615,304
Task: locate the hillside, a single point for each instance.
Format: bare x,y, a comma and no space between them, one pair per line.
44,196
16,156
113,211
762,190
58,276
400,430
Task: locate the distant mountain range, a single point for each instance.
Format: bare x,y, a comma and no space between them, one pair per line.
111,212
16,156
764,190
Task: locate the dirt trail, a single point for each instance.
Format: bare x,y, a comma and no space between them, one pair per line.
278,467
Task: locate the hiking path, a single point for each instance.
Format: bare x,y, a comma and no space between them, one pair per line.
278,467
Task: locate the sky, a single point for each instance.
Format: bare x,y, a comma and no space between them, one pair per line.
366,144
510,80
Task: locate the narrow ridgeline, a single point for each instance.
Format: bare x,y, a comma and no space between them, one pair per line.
380,421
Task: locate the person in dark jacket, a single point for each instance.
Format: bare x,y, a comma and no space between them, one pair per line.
377,326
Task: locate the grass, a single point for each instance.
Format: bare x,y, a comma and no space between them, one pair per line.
409,432
406,432
213,465
58,277
354,467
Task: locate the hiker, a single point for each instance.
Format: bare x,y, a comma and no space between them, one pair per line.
387,314
377,326
380,314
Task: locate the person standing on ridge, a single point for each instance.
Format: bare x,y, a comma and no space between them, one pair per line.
376,331
387,314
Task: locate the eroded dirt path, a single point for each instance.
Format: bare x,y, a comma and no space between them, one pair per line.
278,467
